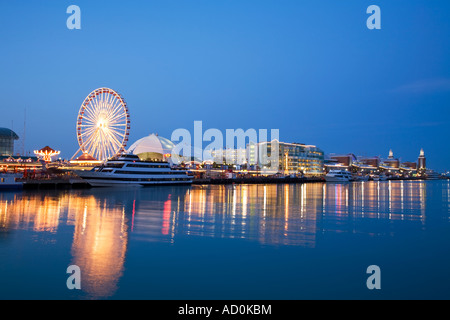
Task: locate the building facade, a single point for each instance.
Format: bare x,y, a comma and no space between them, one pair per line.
7,138
293,158
422,161
391,162
346,160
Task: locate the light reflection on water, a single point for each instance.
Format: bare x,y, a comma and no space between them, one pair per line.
104,222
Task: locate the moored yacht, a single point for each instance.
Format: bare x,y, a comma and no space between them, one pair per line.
381,177
432,175
128,169
360,177
336,175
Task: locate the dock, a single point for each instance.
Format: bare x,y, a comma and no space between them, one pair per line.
73,183
78,183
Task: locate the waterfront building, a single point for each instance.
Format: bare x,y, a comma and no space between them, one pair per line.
7,138
329,163
84,162
229,156
295,158
373,162
19,164
408,169
346,160
409,165
391,162
152,148
252,153
421,161
391,166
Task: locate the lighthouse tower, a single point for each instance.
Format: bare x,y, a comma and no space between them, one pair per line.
391,154
421,162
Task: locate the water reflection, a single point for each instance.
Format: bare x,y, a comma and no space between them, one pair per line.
99,244
103,222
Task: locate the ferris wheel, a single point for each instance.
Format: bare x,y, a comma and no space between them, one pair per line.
103,124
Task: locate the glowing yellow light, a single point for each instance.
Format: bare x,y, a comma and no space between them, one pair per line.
46,153
102,123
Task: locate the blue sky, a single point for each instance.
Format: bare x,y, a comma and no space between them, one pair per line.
311,69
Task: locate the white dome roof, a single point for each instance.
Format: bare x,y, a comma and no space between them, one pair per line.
152,143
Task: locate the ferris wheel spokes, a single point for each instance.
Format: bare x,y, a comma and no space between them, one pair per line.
103,124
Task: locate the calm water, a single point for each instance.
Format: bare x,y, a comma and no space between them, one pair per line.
309,241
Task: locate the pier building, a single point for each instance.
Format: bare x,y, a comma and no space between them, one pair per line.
19,164
295,158
421,161
7,138
391,162
152,147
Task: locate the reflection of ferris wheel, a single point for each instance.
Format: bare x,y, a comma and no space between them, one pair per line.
103,124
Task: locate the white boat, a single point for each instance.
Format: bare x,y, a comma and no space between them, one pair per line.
432,175
11,181
381,177
338,176
360,178
129,170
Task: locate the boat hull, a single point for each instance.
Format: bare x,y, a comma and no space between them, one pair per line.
112,183
335,179
98,179
10,181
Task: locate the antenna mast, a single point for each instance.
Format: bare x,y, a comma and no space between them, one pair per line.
24,131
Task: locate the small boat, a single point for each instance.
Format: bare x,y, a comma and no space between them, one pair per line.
360,178
338,176
381,177
432,175
11,181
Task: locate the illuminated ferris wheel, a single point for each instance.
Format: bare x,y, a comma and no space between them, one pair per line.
103,124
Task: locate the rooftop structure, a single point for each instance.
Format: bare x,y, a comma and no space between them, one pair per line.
18,163
422,161
46,153
391,162
85,160
152,147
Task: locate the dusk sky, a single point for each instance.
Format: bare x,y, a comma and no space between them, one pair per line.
311,69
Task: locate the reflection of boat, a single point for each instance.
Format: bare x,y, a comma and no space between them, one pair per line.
338,176
129,170
10,181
